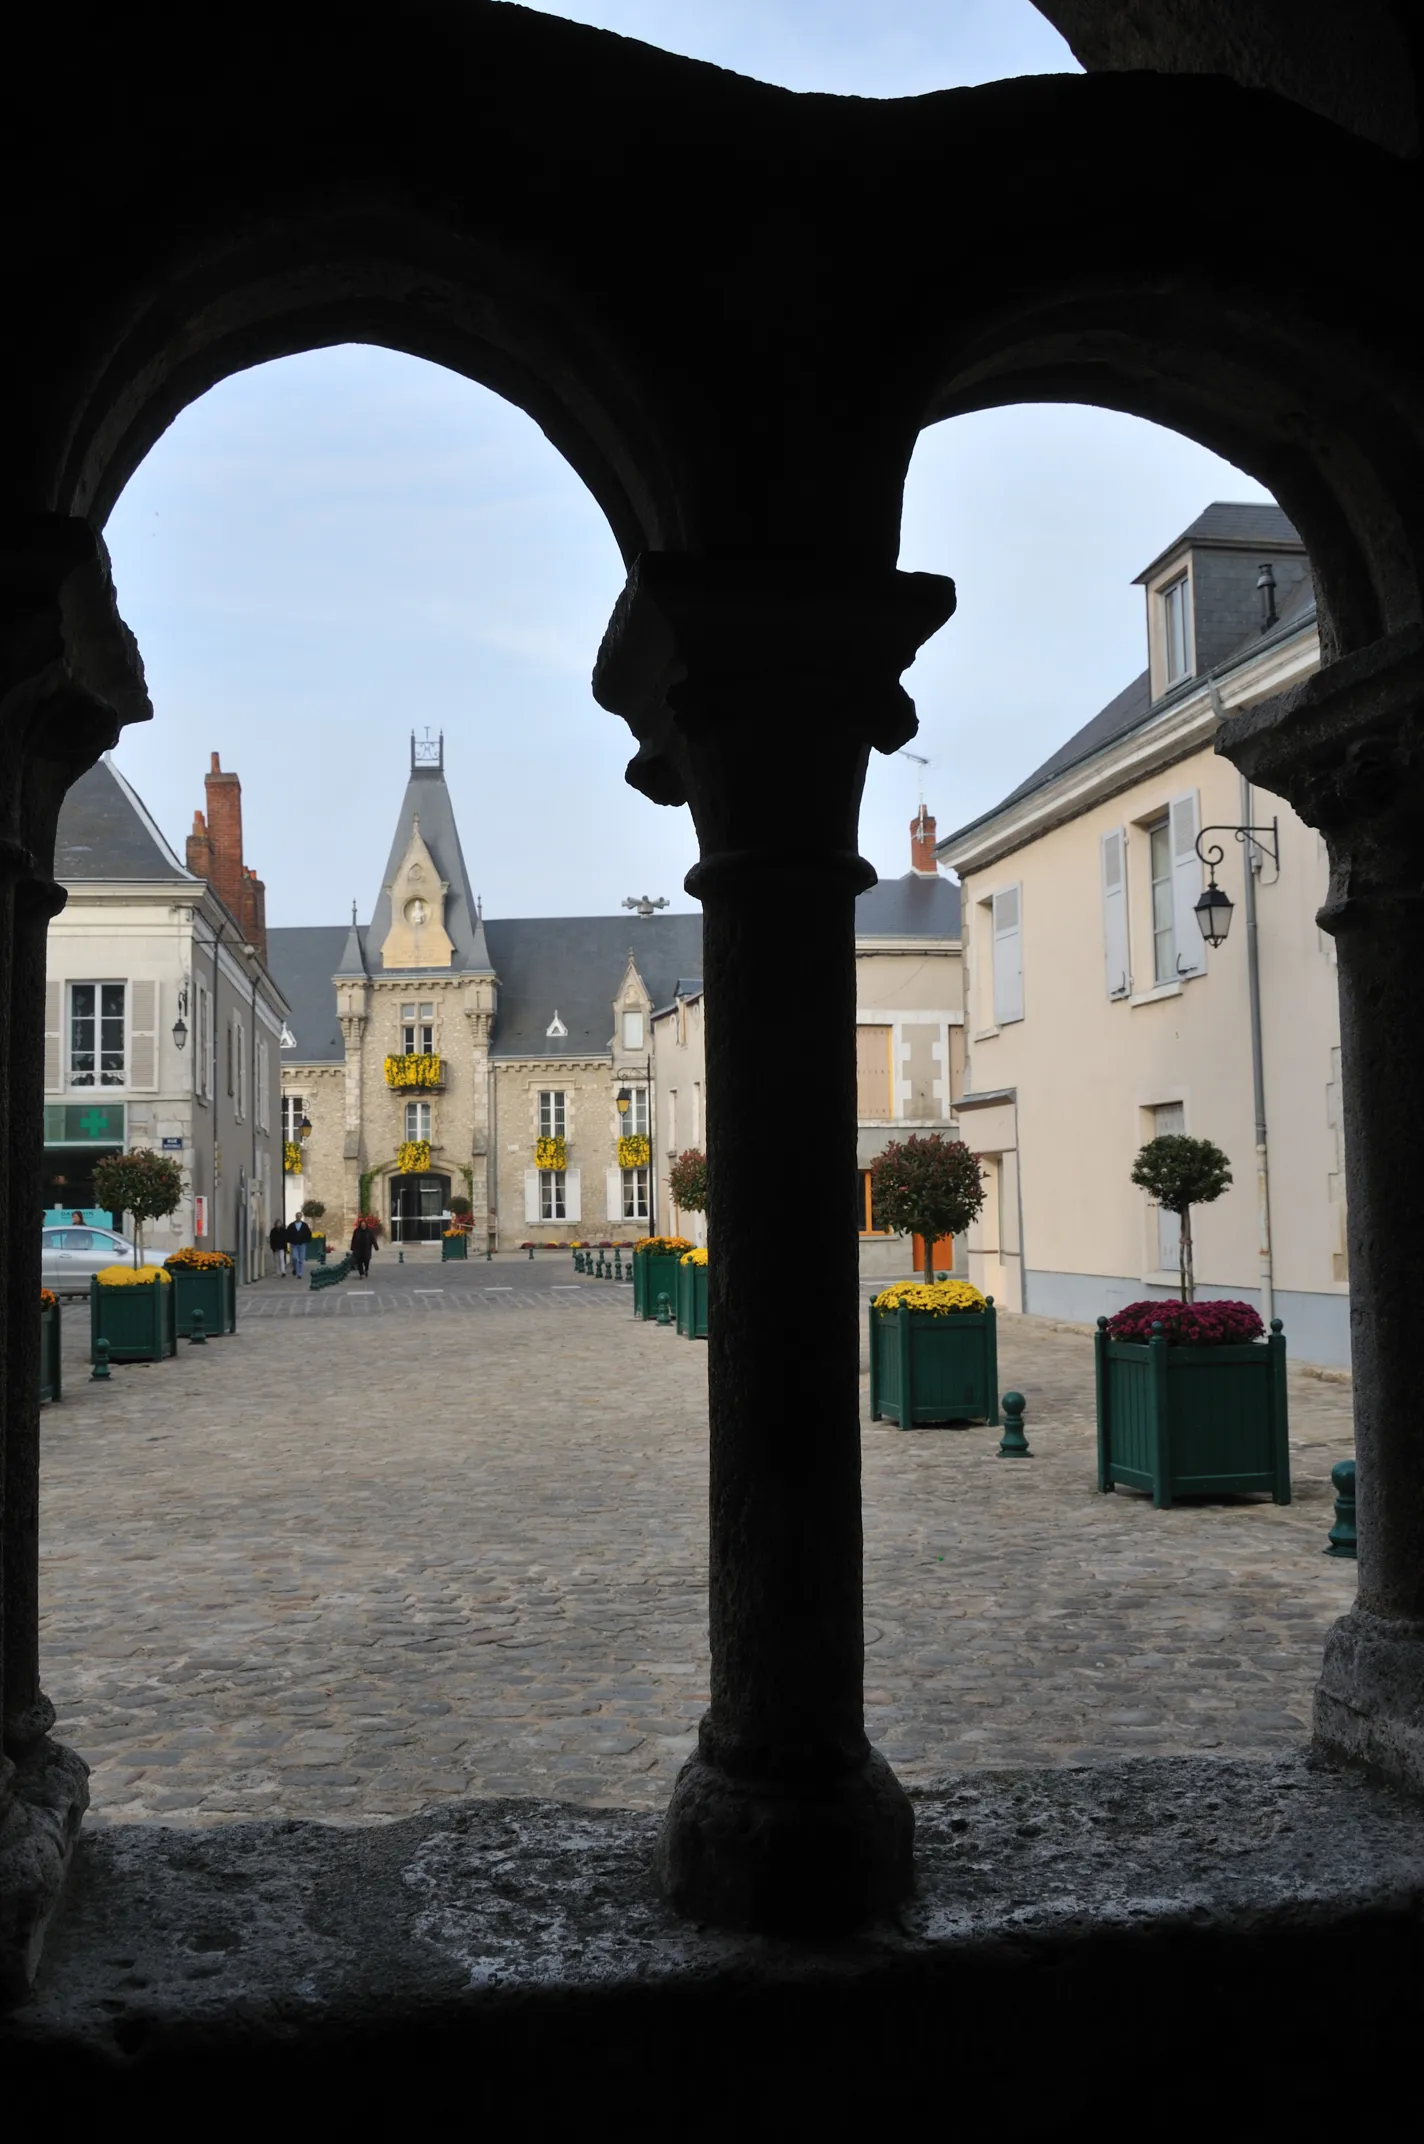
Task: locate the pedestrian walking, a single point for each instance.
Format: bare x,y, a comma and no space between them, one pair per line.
299,1235
362,1245
277,1244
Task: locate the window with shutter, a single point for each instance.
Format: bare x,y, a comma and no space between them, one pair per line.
1115,949
872,1072
1008,956
573,1201
531,1194
143,1034
1184,820
260,1099
53,1053
613,1194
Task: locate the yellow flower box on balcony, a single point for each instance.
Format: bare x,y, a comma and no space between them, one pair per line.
413,1157
634,1151
415,1069
551,1153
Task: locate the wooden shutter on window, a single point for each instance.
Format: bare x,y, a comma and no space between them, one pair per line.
531,1194
1115,955
614,1187
143,1034
1008,955
573,1202
54,1054
1186,885
872,1071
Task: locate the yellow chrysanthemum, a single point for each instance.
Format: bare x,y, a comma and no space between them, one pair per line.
694,1258
132,1277
939,1298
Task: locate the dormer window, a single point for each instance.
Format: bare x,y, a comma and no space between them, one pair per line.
1176,630
632,1031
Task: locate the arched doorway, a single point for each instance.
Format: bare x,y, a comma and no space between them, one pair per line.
420,1207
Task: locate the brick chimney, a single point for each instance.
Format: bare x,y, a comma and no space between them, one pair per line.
922,845
215,853
200,848
225,836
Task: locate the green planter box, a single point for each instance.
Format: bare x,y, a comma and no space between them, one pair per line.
316,1250
654,1274
51,1380
692,1301
454,1246
138,1323
213,1292
929,1369
1192,1421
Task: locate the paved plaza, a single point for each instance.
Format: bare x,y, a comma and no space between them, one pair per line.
447,1537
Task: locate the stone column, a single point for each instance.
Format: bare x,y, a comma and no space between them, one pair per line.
1346,750
69,675
757,690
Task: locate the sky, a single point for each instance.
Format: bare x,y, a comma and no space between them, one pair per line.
323,554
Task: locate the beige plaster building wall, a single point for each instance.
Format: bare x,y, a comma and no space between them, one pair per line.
680,1073
910,1017
1098,1056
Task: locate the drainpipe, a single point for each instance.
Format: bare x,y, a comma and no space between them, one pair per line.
1258,1067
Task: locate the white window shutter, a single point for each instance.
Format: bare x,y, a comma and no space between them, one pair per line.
54,1056
143,1034
573,1204
1186,885
1008,955
1119,980
531,1194
615,1194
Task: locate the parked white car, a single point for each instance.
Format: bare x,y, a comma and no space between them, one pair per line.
73,1255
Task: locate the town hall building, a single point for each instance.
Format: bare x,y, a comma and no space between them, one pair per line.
440,1055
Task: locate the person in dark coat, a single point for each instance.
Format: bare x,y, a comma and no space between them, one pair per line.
299,1235
362,1245
277,1244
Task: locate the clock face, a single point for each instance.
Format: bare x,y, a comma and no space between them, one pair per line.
416,913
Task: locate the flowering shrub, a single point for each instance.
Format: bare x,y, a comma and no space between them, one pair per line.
371,1222
132,1277
291,1157
939,1297
461,1228
927,1186
694,1258
660,1246
414,1069
551,1153
413,1157
687,1181
634,1151
199,1261
47,1301
1220,1324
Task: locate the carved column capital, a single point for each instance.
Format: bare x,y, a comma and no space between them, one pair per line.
1346,751
717,664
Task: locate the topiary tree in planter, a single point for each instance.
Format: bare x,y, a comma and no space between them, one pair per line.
927,1186
687,1182
1180,1173
143,1184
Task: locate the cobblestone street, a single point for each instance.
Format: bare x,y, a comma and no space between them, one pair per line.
305,1571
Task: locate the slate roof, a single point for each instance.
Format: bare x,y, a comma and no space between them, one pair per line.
910,907
105,832
1241,525
427,799
574,965
301,960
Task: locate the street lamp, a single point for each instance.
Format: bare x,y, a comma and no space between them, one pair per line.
180,1025
304,1128
624,1100
1214,909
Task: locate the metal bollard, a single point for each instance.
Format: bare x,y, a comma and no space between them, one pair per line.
664,1310
196,1335
489,1253
1342,1533
400,1256
101,1360
617,1264
531,1254
1014,1444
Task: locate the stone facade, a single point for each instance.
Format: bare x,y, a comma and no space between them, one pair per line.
536,1027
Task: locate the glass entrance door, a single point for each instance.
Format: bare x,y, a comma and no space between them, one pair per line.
419,1206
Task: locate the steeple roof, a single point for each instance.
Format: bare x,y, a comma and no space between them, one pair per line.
428,800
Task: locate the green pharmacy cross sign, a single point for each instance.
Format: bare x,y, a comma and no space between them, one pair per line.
84,1124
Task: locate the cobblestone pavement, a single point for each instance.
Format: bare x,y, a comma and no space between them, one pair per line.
376,1551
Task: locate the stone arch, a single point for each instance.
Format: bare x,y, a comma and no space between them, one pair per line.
390,276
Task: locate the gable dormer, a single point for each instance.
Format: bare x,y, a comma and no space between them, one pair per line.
417,937
1226,580
631,1010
